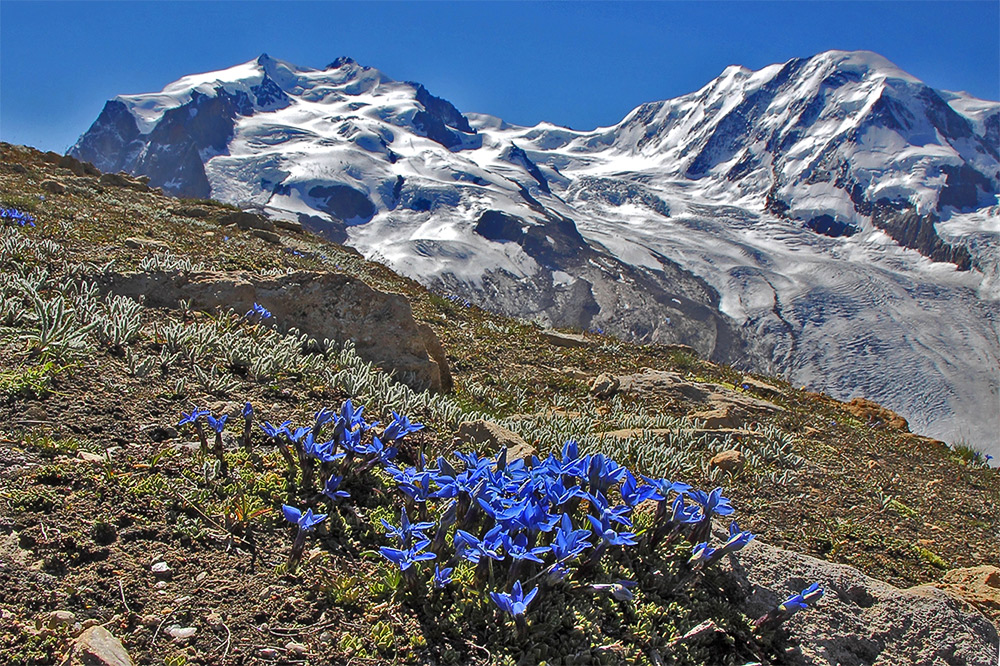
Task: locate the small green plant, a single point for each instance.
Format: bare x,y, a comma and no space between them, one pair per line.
930,557
31,381
50,447
970,455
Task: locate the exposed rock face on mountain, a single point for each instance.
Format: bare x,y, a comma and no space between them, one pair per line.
817,219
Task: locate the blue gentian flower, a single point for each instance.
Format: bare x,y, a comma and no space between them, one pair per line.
737,539
217,424
603,528
331,488
407,532
274,431
632,493
711,503
322,417
247,411
18,217
442,576
620,590
473,549
404,559
516,602
567,542
307,521
259,310
517,548
802,600
400,427
663,487
193,416
701,555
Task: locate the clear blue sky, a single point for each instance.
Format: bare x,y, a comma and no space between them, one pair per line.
576,64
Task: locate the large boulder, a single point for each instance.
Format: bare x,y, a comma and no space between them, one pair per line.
860,620
319,304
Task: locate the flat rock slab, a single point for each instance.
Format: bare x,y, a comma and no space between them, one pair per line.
673,385
862,621
758,386
319,304
565,339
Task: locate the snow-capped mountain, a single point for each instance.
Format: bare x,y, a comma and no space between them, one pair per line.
831,219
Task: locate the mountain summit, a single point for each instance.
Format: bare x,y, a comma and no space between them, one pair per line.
832,219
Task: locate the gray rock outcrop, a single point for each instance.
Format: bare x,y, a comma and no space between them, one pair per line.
861,621
494,438
321,305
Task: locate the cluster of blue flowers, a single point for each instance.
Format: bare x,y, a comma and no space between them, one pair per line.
527,523
523,517
18,217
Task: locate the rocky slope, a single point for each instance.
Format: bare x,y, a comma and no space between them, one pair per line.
119,537
818,219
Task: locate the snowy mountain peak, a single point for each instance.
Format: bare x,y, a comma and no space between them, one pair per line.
817,218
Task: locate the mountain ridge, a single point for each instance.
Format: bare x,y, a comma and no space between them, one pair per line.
769,209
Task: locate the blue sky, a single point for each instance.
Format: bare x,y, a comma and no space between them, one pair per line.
576,64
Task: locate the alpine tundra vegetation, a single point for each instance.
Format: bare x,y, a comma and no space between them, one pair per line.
487,493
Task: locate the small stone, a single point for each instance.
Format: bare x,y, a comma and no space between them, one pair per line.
272,592
679,348
288,225
150,621
604,386
181,634
731,461
53,186
87,456
214,620
297,649
162,570
136,243
97,647
495,437
60,618
267,653
267,236
201,576
87,624
723,416
160,433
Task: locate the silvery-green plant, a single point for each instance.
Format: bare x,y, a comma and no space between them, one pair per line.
214,382
167,262
55,331
139,365
118,323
